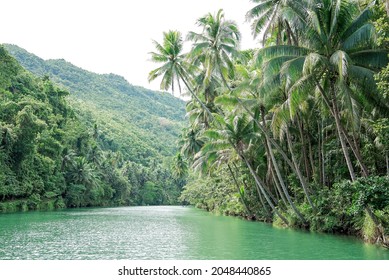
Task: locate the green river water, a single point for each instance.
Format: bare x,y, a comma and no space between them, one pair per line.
164,232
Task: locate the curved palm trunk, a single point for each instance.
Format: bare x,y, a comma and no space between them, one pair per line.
307,163
283,186
335,112
195,96
279,191
295,163
238,189
387,7
278,172
342,142
355,148
279,149
260,184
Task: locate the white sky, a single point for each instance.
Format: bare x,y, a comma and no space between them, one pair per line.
109,36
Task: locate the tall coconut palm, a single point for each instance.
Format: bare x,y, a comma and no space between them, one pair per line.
215,46
214,154
337,58
179,166
237,132
169,53
190,142
175,67
279,15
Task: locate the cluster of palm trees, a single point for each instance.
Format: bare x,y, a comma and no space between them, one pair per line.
296,114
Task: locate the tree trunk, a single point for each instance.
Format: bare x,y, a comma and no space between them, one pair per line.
342,141
304,148
259,183
295,163
281,193
335,112
276,146
283,186
320,159
195,96
355,148
238,189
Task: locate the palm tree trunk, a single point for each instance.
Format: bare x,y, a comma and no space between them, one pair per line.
387,7
387,163
355,148
279,175
195,96
342,141
320,159
278,187
238,189
260,185
321,154
304,148
295,163
335,112
279,149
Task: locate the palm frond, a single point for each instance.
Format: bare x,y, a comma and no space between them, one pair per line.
364,36
372,59
341,61
277,51
314,63
260,9
357,23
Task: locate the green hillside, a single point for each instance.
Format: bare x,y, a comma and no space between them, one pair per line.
142,124
106,143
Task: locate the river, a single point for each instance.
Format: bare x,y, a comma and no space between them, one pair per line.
164,232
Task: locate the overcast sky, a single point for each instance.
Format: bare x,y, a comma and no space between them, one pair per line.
109,36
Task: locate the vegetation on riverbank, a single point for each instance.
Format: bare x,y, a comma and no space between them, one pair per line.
60,151
295,132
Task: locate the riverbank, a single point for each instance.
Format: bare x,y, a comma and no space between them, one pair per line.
342,209
348,216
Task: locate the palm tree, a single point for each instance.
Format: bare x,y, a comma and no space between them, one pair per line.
175,67
83,173
179,166
95,155
169,53
237,132
191,142
215,45
279,15
337,59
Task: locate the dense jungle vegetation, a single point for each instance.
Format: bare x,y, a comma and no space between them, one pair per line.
98,146
296,131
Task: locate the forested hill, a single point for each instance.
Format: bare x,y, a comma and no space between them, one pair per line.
141,123
104,143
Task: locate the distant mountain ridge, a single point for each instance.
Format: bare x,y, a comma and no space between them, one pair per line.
147,122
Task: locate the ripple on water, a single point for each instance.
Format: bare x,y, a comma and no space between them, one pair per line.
164,233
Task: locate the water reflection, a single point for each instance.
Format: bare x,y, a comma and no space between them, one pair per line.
164,233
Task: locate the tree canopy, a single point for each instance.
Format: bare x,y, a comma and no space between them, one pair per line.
292,132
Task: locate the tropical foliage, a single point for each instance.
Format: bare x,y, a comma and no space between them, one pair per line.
84,149
293,132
